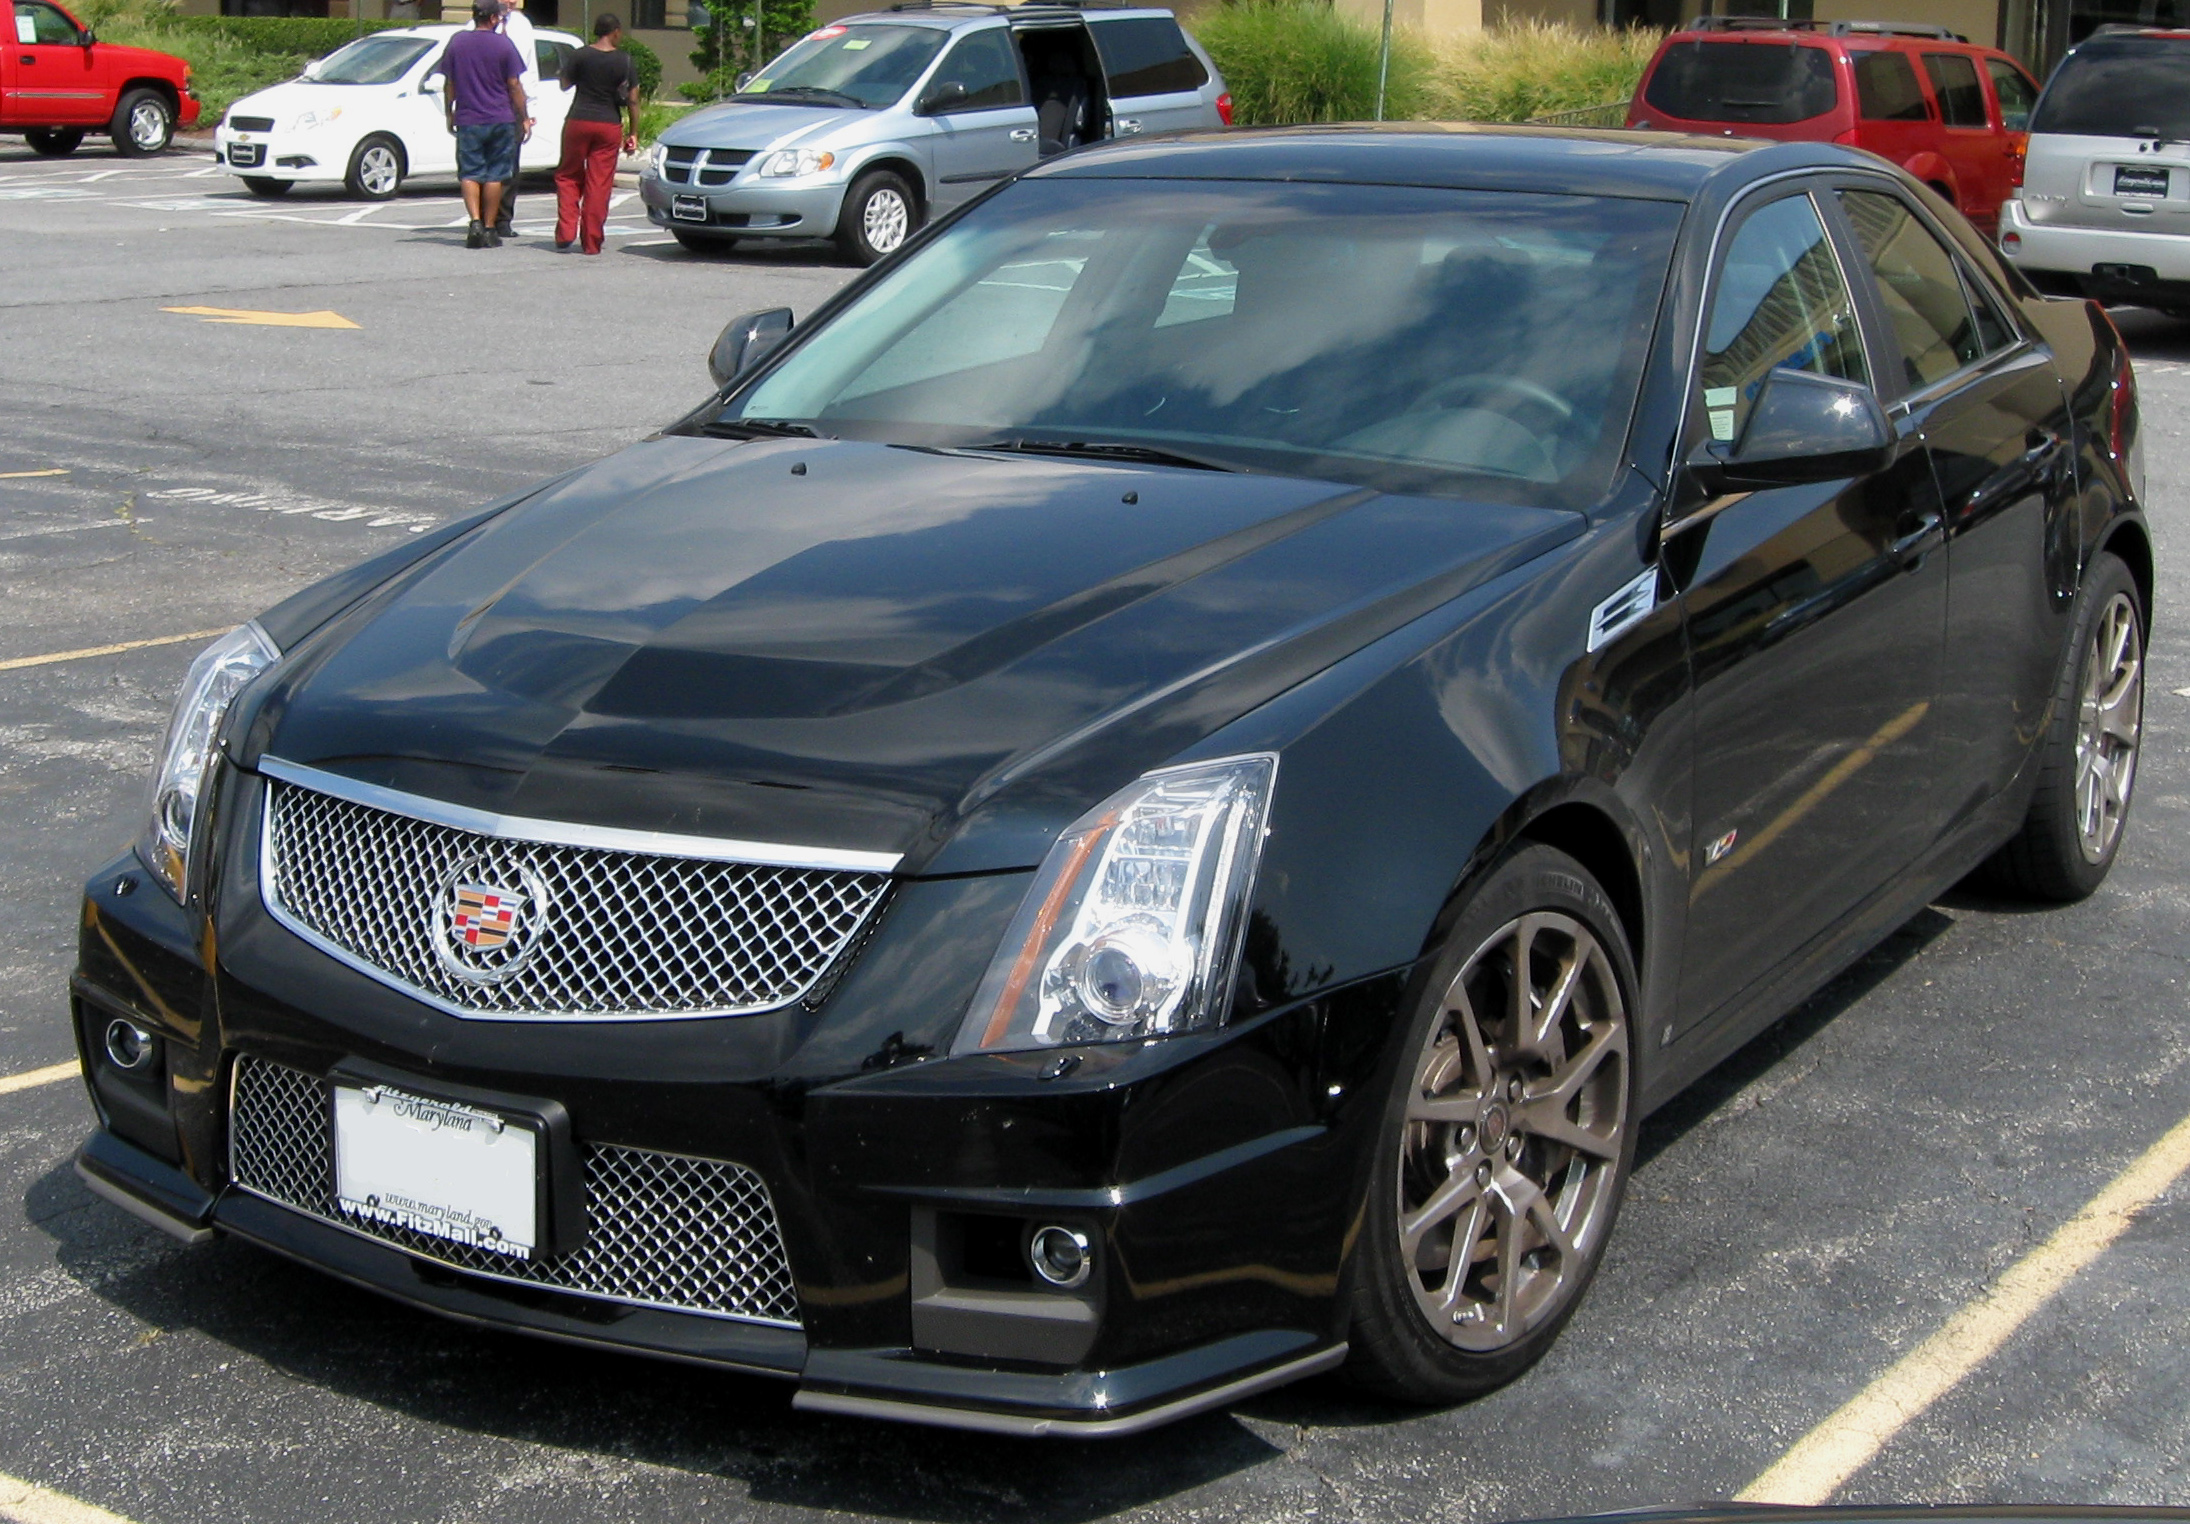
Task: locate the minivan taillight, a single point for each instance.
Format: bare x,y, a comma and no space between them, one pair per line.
2018,151
1224,108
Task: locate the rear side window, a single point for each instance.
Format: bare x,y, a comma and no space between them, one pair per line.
2017,94
1886,89
1918,286
1146,55
1954,81
2122,87
1780,305
1767,83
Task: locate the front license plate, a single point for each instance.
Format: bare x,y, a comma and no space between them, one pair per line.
2140,182
688,208
246,155
438,1168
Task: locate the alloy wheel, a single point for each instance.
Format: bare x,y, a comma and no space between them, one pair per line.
377,170
148,126
2110,722
1515,1133
885,220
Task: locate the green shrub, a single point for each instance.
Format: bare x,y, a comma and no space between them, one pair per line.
655,116
732,37
646,62
294,36
1520,70
1301,61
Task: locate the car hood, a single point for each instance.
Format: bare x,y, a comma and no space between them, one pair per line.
756,125
860,646
283,101
141,60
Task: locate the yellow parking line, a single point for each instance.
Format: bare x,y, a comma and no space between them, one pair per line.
31,1079
1823,1459
24,1502
9,476
118,647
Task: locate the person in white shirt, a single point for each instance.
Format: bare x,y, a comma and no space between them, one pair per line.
517,27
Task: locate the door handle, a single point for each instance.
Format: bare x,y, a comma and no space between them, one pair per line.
1128,124
1913,545
1022,134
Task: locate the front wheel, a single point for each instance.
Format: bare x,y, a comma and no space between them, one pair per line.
880,213
143,123
260,185
53,142
1506,1142
2088,759
376,169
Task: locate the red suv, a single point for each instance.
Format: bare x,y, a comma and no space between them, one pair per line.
58,82
1951,113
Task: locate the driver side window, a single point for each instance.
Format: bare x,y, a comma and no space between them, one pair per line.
985,64
1780,303
35,23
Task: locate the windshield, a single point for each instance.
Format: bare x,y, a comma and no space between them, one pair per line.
1412,339
2121,87
867,65
1760,82
372,61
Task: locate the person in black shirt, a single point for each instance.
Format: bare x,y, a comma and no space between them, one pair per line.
602,80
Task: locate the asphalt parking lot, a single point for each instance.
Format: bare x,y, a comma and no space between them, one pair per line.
1815,1210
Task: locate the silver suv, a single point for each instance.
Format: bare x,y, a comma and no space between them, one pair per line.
872,124
2104,208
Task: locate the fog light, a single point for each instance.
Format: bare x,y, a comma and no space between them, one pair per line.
128,1045
1061,1256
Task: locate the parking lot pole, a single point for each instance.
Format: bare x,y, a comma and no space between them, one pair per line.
1384,60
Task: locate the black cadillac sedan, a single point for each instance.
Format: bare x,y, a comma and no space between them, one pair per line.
1142,806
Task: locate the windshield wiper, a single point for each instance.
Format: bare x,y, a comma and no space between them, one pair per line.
760,428
806,93
1103,449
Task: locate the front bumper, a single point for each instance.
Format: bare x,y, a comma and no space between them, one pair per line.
2105,263
278,156
1217,1174
791,209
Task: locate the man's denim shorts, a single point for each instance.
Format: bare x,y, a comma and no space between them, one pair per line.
487,154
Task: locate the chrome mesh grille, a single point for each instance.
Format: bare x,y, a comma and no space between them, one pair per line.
662,1230
620,934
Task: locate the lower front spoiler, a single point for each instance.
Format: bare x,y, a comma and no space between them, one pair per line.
898,1384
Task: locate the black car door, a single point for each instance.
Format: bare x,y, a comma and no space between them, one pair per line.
1815,617
1996,427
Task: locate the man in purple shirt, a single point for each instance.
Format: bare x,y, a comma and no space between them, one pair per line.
485,100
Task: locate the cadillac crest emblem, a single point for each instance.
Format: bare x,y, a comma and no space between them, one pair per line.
487,918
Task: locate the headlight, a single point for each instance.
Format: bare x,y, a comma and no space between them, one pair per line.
795,161
1133,925
656,157
178,783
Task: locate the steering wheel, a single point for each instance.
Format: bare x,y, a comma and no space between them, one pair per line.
1513,386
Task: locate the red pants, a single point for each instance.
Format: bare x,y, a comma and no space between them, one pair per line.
588,171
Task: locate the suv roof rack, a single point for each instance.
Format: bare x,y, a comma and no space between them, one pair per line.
1829,28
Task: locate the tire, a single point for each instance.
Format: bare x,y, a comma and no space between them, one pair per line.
880,213
2087,765
376,169
53,142
143,124
1496,1136
259,185
703,243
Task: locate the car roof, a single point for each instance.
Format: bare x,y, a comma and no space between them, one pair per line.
1566,161
958,13
439,29
1861,34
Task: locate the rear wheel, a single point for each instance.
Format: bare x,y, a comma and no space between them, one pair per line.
53,142
376,168
2088,764
259,185
1506,1142
880,213
143,123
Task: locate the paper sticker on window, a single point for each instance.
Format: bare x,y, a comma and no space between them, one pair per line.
755,86
1718,396
1722,423
26,28
857,43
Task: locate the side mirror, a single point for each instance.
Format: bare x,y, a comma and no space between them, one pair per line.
944,97
1804,428
745,77
746,342
86,37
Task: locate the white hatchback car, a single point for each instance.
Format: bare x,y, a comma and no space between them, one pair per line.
364,116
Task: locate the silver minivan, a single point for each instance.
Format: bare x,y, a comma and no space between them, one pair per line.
869,126
2104,208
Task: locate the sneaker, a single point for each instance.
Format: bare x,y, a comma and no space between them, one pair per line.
565,245
476,237
504,230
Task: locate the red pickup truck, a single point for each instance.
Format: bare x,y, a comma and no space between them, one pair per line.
58,82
